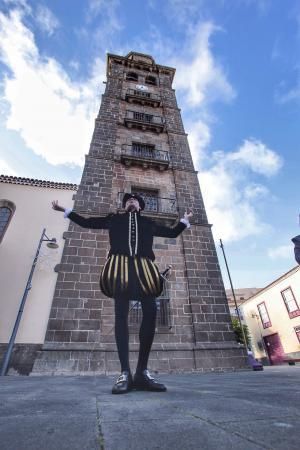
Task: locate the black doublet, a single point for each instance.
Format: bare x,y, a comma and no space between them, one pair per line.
129,233
129,271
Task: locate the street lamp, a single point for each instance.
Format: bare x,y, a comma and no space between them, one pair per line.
233,293
51,244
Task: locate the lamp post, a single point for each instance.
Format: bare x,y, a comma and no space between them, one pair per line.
51,244
233,294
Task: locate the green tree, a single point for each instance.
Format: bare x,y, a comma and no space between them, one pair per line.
238,331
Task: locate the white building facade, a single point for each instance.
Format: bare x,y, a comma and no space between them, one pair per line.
25,210
273,318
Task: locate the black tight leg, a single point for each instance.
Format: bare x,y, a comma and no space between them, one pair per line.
147,332
121,332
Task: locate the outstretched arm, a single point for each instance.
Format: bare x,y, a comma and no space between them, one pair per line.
173,232
85,222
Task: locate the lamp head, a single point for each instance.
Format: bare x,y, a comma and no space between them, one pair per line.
52,243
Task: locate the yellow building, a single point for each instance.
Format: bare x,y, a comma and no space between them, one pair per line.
273,318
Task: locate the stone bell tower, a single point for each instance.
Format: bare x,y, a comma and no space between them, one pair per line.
139,145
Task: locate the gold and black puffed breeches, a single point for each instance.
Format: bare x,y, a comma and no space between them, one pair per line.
130,277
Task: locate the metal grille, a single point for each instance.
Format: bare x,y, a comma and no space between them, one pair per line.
150,199
153,203
142,117
163,317
142,93
142,150
145,151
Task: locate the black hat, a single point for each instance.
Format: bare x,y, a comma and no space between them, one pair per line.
127,196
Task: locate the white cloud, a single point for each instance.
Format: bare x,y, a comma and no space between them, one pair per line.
183,12
199,138
46,20
255,190
198,74
258,157
6,169
290,95
108,10
282,251
53,114
263,6
232,214
230,198
22,5
74,64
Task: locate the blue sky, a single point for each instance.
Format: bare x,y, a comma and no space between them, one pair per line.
237,82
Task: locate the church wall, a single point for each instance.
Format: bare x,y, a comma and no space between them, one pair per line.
17,250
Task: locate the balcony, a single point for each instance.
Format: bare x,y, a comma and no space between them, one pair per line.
143,121
156,207
145,156
142,97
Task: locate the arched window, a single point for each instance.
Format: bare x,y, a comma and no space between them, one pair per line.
7,210
132,76
150,80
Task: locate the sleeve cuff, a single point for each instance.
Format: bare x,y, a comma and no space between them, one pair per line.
67,212
186,222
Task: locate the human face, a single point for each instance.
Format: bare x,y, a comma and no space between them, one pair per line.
132,205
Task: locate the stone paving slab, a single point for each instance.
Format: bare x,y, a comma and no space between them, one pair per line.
238,410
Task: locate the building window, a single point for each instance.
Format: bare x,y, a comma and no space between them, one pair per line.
264,316
7,210
290,303
297,331
132,76
150,80
150,198
163,316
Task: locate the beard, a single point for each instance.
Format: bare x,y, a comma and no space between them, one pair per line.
132,208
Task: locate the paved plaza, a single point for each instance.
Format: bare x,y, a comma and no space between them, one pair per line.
234,410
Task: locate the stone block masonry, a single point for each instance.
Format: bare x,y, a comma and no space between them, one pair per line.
80,334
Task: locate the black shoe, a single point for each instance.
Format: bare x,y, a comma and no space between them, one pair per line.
143,381
123,383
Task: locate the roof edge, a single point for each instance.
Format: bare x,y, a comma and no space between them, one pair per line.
273,283
9,179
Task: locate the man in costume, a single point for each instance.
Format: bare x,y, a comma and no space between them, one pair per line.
130,274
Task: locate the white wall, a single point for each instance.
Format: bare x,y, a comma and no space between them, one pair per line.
279,317
17,250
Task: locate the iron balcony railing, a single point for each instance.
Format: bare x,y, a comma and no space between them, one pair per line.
144,120
154,204
143,97
146,152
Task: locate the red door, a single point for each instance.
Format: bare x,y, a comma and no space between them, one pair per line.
274,348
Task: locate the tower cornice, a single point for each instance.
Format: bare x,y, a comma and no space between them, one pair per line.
139,60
